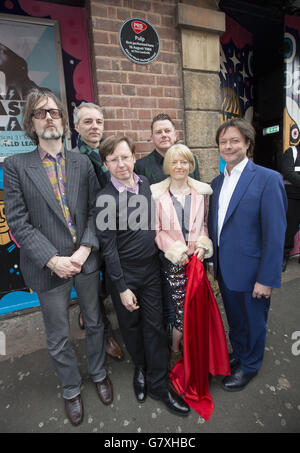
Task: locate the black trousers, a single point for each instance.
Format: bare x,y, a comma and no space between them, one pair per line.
293,221
142,329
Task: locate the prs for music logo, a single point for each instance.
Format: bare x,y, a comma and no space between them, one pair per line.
138,26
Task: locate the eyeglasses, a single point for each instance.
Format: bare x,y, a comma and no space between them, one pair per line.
122,159
40,114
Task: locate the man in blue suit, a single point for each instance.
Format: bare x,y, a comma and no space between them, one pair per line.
247,223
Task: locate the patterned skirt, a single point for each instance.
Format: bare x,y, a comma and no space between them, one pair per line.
177,279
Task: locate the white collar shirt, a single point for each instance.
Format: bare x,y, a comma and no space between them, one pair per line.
229,184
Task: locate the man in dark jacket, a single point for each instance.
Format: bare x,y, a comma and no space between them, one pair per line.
289,165
126,233
163,136
89,123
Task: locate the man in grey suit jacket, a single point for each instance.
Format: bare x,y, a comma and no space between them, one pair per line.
49,201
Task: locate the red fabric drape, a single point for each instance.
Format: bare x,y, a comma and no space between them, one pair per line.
204,343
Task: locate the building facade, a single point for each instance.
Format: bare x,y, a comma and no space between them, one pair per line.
184,80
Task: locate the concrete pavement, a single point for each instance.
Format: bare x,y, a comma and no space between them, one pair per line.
30,393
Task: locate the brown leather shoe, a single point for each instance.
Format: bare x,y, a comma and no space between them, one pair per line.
74,410
113,349
105,390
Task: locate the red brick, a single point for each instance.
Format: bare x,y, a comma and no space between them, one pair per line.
105,24
143,91
119,125
101,37
140,125
103,63
111,76
98,10
117,90
141,79
104,88
142,5
145,114
129,90
114,101
168,81
123,14
107,50
108,2
168,57
131,114
157,91
142,102
169,103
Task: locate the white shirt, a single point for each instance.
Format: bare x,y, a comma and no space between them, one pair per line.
229,184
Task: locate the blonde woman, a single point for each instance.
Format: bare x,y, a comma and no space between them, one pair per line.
181,229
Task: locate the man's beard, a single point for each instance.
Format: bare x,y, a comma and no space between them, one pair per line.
50,135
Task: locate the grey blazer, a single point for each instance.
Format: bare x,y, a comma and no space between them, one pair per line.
36,220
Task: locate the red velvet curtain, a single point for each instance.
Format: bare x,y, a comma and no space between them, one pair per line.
204,343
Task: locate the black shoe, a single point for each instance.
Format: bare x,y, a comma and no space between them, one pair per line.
237,381
233,362
139,384
74,410
173,402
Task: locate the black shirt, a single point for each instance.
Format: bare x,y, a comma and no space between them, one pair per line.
151,166
125,227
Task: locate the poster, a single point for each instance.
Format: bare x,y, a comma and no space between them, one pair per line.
291,115
236,74
30,57
77,74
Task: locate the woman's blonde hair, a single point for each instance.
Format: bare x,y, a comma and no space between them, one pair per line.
184,151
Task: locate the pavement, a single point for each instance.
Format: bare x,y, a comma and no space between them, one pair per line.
31,401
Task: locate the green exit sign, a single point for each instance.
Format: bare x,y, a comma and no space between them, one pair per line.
270,130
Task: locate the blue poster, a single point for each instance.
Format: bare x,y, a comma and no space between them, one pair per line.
28,59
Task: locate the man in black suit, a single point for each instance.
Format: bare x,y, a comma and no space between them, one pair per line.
163,136
126,233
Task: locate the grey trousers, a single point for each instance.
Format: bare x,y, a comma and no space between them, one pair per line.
55,309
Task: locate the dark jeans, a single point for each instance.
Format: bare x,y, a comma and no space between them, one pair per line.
55,309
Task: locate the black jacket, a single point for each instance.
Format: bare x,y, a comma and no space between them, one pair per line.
291,177
123,245
151,167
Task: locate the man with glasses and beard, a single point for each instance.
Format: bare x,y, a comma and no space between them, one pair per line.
49,200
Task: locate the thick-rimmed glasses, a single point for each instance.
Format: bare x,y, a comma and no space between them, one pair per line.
40,114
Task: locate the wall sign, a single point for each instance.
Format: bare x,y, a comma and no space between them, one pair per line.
139,41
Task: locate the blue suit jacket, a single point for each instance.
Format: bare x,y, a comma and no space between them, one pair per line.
252,238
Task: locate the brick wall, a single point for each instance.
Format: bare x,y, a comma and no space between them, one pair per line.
132,94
